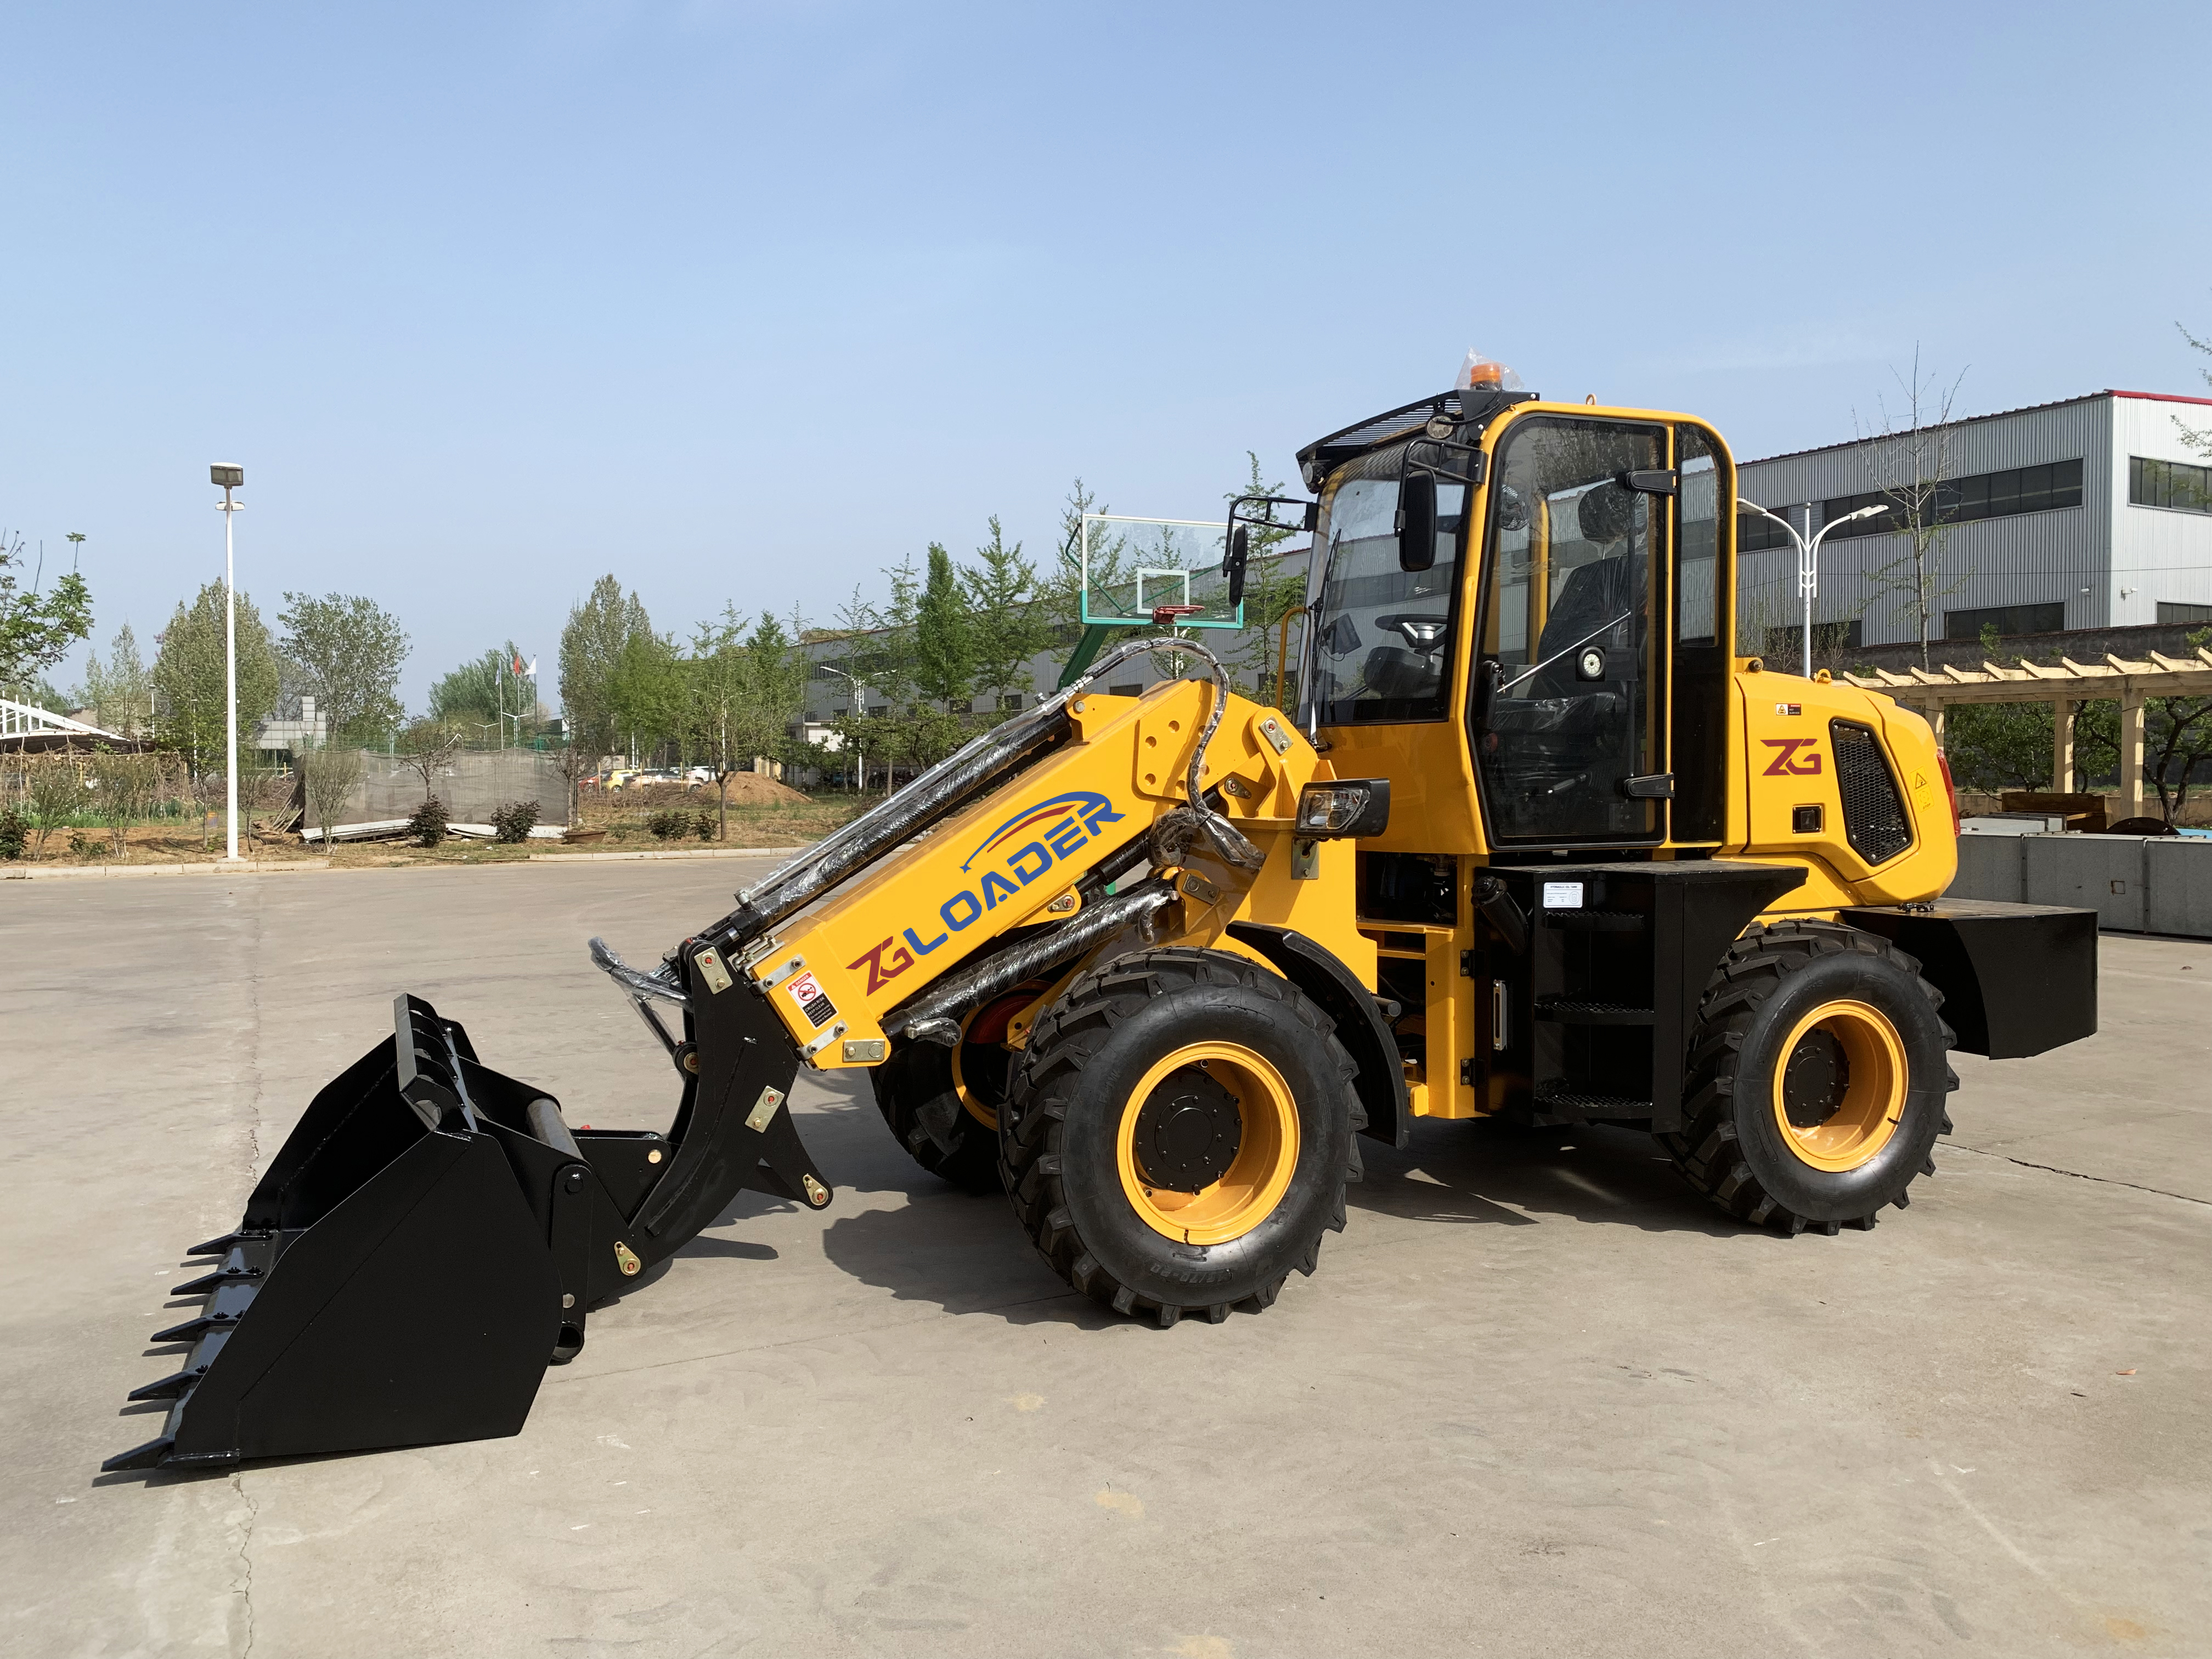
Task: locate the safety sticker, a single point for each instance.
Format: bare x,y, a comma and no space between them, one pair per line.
812,1000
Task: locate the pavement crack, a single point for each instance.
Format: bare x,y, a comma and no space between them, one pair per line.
2102,1181
243,1587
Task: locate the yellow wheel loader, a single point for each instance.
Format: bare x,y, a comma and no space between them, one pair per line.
1532,841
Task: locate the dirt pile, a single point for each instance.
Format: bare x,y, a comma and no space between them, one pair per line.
758,789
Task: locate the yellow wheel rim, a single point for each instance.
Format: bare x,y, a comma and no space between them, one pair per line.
1244,1193
1839,1088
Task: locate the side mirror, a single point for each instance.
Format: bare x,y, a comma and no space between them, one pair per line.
1417,521
1240,549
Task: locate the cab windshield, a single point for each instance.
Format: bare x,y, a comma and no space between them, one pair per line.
1382,640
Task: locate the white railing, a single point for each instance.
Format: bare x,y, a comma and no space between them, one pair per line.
20,720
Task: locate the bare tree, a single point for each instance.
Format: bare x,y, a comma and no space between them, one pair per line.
428,746
124,787
331,775
2198,438
53,793
1909,461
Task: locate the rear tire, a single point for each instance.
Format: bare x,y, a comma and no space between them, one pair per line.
1817,1079
1178,1135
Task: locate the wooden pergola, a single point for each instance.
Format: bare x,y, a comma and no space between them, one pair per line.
2064,687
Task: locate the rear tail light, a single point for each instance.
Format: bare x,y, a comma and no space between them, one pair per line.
1950,788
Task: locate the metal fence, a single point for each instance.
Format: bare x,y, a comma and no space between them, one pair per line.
471,784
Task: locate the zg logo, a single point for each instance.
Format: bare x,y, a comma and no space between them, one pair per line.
1788,763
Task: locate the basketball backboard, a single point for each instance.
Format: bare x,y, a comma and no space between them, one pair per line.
1137,572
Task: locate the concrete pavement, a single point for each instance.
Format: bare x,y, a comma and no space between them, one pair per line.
1539,1399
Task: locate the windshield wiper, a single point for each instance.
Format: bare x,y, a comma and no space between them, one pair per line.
1539,667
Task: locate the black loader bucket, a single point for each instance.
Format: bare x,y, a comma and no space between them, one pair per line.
432,1233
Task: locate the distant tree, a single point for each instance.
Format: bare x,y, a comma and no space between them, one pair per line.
2177,740
347,650
1110,555
746,689
944,648
1908,458
477,692
1008,622
43,693
592,646
38,626
188,678
119,691
648,692
1995,746
717,704
2197,438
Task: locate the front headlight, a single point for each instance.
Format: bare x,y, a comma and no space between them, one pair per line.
1357,806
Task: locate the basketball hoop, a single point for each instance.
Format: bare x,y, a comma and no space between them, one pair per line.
1167,615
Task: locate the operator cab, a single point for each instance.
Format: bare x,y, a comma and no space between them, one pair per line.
1548,627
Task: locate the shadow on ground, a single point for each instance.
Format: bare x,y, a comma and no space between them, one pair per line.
966,1254
1490,1171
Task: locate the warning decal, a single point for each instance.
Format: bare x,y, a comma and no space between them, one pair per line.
812,1000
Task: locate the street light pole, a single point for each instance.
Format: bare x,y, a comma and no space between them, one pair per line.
1808,558
860,710
229,478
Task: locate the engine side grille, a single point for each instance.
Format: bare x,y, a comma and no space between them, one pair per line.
1874,812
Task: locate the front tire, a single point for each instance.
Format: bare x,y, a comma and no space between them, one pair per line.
1818,1079
1178,1132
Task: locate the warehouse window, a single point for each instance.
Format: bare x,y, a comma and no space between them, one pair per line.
2173,484
1785,645
1756,533
2171,611
2006,619
1963,500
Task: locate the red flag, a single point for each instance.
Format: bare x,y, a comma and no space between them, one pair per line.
516,669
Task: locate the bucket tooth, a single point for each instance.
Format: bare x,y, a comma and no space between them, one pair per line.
215,1280
193,1329
169,1386
139,1457
219,1245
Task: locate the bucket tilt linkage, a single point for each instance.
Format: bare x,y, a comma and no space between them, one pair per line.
432,1233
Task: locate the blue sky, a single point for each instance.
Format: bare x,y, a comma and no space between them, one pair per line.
744,302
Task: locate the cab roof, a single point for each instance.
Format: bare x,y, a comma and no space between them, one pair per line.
1318,459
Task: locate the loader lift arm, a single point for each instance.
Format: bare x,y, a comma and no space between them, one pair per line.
434,1233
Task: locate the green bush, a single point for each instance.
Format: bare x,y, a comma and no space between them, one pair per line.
704,826
426,827
15,833
669,826
82,846
512,821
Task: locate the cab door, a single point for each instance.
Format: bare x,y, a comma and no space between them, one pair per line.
1567,708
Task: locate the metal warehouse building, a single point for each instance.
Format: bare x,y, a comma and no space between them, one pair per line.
2092,513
